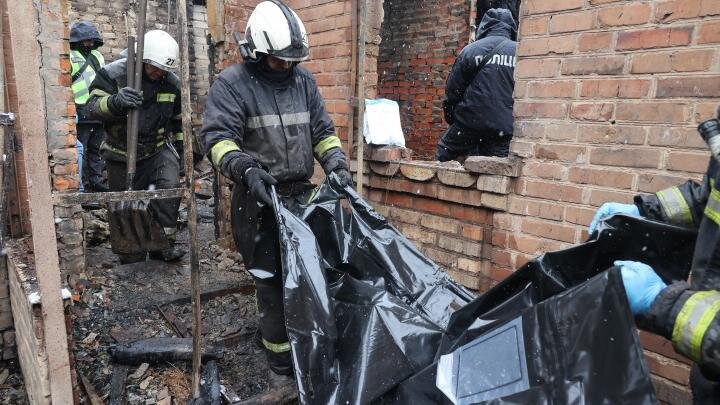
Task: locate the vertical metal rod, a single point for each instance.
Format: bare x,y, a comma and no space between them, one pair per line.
353,76
137,85
361,96
190,190
3,157
131,137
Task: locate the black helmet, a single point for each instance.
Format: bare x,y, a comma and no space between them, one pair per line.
82,30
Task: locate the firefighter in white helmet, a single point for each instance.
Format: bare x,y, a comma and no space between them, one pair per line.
264,124
158,163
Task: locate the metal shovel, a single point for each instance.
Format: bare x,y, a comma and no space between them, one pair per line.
133,227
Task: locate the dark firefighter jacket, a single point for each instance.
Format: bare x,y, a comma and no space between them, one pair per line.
280,124
160,114
688,314
481,100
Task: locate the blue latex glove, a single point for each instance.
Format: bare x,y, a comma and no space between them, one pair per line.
642,284
610,209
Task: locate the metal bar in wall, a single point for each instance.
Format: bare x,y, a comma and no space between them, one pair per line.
361,94
190,195
31,126
353,76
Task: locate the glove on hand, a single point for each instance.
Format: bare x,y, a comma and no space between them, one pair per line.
610,209
257,181
642,285
125,99
345,177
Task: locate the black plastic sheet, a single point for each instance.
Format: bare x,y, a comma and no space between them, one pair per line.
369,316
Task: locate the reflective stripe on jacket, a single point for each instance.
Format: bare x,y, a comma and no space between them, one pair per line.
693,205
81,85
690,318
159,114
280,125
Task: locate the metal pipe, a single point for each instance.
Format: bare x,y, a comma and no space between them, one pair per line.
131,137
137,85
353,77
190,190
361,96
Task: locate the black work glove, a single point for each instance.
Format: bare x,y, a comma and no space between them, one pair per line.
125,99
345,177
257,181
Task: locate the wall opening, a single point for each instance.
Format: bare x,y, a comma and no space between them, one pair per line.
420,41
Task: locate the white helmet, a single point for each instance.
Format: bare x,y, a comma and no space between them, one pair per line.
161,50
268,33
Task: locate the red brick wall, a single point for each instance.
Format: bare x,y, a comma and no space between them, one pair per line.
448,211
420,40
608,96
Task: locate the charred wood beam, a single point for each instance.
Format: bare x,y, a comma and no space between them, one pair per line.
82,198
161,350
117,385
245,289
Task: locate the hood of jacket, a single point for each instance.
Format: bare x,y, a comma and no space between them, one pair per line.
497,22
82,30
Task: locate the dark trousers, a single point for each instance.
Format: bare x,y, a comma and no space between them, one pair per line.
255,233
461,142
160,171
92,136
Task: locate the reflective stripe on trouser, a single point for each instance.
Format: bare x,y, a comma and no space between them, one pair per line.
693,321
675,207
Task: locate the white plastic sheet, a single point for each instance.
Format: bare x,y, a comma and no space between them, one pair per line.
382,123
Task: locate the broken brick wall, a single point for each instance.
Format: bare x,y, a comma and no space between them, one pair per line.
420,40
56,101
114,18
607,100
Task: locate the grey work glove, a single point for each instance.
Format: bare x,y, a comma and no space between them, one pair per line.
257,181
125,99
345,177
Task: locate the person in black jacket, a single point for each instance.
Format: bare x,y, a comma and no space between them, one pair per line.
686,313
264,124
479,99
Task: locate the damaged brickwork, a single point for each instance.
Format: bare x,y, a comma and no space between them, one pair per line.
420,40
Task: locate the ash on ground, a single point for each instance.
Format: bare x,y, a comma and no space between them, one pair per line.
119,303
